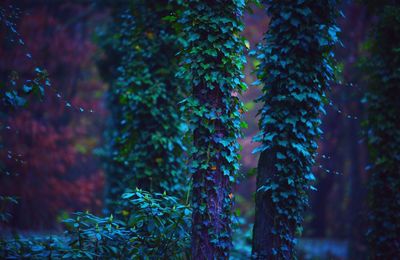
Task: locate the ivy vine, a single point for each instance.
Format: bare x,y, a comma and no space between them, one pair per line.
147,146
296,68
382,68
214,60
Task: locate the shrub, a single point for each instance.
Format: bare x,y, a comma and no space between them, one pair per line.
154,226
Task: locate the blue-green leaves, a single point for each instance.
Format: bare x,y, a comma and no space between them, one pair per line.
382,129
213,60
154,226
16,94
295,69
146,138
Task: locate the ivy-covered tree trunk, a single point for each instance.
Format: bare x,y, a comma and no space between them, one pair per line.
295,69
146,141
383,126
214,60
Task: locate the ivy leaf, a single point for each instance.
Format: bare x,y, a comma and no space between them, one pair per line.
260,148
280,156
286,15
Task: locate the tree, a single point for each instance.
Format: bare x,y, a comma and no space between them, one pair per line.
383,130
146,144
214,60
295,69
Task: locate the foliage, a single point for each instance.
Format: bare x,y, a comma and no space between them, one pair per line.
383,132
46,150
155,228
22,247
295,70
242,236
213,59
146,137
14,93
161,224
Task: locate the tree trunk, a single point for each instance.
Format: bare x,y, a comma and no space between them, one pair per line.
263,237
214,60
296,72
210,182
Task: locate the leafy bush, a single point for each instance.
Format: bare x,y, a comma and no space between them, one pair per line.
159,224
151,226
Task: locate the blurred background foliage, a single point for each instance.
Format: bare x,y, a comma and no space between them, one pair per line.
49,152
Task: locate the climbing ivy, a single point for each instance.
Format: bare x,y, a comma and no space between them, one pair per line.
382,68
214,60
146,144
296,68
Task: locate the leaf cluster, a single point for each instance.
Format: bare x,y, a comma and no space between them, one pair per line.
145,142
152,226
213,61
296,68
382,129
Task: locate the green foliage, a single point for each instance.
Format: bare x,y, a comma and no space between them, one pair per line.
242,237
382,69
15,94
213,59
161,224
146,145
155,228
33,247
296,67
16,91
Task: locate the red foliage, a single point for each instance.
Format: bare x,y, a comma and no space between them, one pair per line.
52,166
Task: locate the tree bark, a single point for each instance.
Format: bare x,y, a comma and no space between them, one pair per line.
211,182
263,238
